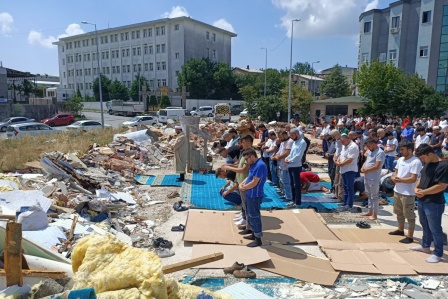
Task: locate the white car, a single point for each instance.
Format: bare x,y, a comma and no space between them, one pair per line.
244,112
203,111
140,120
86,125
33,129
14,121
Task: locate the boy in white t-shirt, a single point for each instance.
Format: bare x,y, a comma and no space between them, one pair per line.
421,138
389,150
405,177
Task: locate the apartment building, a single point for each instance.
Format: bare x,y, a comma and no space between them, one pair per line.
156,49
412,34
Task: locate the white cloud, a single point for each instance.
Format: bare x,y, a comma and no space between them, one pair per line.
322,17
223,24
176,12
6,22
372,5
36,38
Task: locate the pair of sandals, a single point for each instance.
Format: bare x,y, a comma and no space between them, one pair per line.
363,224
161,242
179,207
179,228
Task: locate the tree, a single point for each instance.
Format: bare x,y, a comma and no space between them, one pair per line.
74,105
303,68
165,102
250,95
118,91
223,82
78,93
335,84
139,81
39,91
267,107
197,76
105,83
301,99
153,101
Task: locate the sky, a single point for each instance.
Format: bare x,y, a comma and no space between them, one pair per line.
328,30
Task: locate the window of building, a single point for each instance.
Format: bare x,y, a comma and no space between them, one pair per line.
207,35
364,58
137,34
163,65
122,36
62,48
145,32
102,40
127,52
150,49
146,67
124,69
126,36
395,22
393,55
162,30
135,68
367,27
133,35
139,68
63,61
139,51
176,27
423,51
64,74
128,68
163,48
105,39
150,32
214,37
134,51
214,54
159,83
151,83
426,17
83,42
151,66
157,31
207,53
145,49
118,69
157,49
158,66
163,82
176,55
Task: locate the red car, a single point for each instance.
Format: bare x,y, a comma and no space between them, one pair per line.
59,120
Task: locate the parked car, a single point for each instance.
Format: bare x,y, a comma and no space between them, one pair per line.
140,120
203,111
59,120
14,120
236,109
33,129
86,125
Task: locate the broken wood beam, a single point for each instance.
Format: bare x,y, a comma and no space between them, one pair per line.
72,228
192,263
39,273
13,254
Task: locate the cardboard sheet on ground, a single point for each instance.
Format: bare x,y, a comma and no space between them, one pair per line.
281,226
299,266
379,258
357,235
232,253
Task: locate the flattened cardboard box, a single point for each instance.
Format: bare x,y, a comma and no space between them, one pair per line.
217,227
386,258
232,253
313,223
357,235
299,266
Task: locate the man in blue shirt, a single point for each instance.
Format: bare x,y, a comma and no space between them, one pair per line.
294,161
253,185
408,133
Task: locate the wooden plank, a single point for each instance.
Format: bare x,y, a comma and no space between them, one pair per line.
13,254
61,210
72,228
192,263
39,273
8,217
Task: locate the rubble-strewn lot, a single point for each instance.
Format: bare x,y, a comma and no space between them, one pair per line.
94,191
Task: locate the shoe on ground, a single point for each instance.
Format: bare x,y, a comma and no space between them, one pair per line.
433,259
342,209
407,240
238,218
420,249
249,237
244,273
236,266
164,252
242,226
241,221
397,233
355,210
291,205
255,243
245,232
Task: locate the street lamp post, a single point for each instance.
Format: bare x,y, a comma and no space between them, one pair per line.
99,71
265,70
290,70
314,82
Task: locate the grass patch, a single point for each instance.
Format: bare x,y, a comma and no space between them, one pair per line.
15,153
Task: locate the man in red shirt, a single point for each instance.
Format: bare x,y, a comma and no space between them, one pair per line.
310,182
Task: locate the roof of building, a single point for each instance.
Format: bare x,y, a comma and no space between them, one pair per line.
308,77
343,68
232,34
10,73
47,82
249,70
350,99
